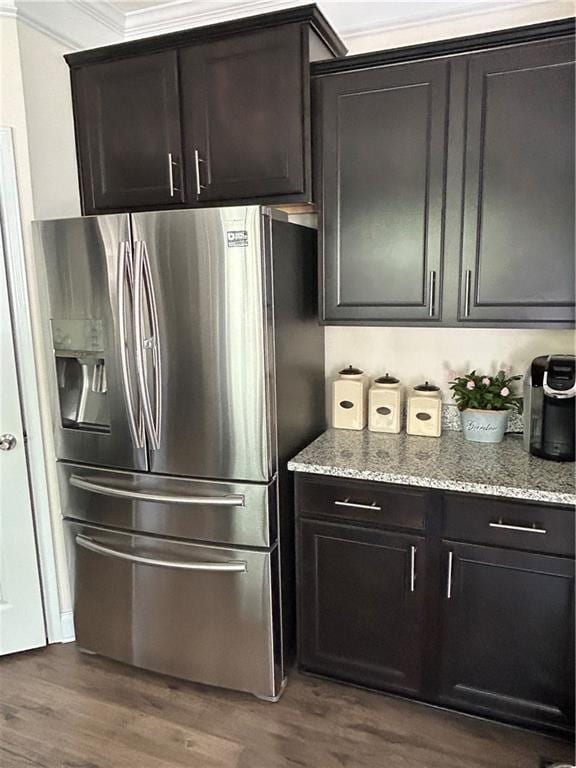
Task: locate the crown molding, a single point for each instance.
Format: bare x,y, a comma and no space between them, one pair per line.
8,9
187,14
76,24
494,10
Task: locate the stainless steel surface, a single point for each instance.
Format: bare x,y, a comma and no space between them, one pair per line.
449,584
78,261
347,503
7,442
208,270
126,283
467,291
432,293
241,514
412,568
522,528
143,285
212,627
110,490
171,164
232,566
197,161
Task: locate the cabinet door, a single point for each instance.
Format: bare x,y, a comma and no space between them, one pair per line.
246,115
383,156
128,132
518,240
508,634
361,604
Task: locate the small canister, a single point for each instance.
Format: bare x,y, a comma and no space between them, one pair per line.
424,415
385,401
349,399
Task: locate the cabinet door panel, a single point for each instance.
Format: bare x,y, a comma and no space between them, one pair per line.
383,162
507,635
128,125
244,105
518,245
360,607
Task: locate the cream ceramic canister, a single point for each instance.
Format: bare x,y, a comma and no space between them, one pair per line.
349,392
385,402
424,414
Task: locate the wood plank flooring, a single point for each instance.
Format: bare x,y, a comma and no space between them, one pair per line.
62,709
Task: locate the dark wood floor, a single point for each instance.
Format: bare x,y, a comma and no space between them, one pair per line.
62,709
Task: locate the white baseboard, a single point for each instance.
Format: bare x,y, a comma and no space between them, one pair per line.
67,622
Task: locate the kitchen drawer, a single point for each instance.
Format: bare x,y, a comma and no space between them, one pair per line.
242,514
198,612
504,523
363,502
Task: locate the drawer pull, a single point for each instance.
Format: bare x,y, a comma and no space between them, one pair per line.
520,528
449,585
159,498
232,566
374,507
412,568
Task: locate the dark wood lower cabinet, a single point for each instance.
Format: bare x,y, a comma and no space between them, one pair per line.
361,613
390,602
507,636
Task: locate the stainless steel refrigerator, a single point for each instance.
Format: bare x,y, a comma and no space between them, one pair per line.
188,367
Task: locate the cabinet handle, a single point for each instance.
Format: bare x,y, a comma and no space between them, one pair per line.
347,503
412,568
467,291
432,293
521,528
197,161
449,585
171,163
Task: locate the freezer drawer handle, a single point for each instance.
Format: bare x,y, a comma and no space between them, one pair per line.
232,566
234,500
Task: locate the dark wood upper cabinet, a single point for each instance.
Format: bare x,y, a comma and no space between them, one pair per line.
245,107
518,240
128,132
446,184
508,634
208,115
362,615
382,170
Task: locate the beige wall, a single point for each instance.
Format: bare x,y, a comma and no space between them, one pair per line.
461,25
414,354
417,354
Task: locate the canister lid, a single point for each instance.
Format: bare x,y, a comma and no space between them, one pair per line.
387,380
350,371
426,387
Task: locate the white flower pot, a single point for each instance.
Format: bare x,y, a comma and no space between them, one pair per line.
484,426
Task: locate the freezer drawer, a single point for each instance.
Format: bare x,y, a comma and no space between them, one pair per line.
202,613
241,514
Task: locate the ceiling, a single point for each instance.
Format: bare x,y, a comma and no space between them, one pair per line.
347,16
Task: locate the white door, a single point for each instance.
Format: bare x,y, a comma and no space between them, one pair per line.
21,613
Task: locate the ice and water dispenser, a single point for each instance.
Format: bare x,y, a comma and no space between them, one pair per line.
81,374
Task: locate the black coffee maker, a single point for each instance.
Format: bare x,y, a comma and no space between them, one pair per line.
549,400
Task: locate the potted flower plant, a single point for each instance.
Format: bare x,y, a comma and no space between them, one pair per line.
484,403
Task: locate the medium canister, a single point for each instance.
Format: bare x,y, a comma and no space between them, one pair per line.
385,402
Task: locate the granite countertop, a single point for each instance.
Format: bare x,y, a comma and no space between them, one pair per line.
448,462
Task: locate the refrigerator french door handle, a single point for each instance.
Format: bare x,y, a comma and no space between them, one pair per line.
135,423
143,284
230,566
232,500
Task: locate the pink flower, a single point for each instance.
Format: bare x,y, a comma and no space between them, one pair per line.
471,385
451,374
486,381
504,391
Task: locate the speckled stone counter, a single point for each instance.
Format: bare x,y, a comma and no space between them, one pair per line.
449,462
